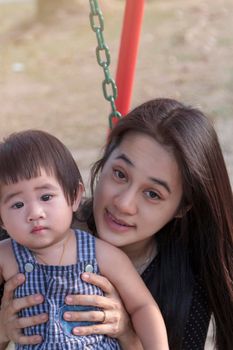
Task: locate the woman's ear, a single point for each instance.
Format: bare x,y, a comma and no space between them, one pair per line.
183,211
78,198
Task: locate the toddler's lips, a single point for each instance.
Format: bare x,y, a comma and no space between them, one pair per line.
37,229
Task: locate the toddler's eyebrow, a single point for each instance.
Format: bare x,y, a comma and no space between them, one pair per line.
42,187
46,186
10,196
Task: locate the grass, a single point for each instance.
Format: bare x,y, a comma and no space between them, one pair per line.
185,53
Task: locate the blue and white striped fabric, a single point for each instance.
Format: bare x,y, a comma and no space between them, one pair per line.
54,283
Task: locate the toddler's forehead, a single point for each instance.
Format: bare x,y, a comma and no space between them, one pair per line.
10,177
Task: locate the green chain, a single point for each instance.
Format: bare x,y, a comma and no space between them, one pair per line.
103,50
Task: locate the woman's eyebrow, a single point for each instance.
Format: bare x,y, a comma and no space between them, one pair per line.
123,157
161,183
157,181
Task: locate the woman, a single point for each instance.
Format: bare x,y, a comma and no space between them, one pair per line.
162,194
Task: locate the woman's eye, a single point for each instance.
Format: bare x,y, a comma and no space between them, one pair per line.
152,194
17,205
119,174
46,197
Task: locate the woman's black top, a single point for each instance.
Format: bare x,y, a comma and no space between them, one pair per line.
196,328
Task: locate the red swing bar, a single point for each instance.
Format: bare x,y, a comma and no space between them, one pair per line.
134,10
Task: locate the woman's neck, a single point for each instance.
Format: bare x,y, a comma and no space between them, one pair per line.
141,253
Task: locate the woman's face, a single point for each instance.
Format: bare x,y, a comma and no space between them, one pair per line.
138,192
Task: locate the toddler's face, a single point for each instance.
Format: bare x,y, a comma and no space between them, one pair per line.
35,212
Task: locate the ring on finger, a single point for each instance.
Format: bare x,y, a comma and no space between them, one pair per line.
104,314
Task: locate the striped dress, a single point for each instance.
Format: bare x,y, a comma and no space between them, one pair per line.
54,283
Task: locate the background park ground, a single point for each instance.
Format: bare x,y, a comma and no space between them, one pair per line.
49,77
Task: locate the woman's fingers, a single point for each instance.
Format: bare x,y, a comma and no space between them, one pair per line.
11,324
10,286
111,325
24,322
15,305
112,318
95,300
81,316
109,328
92,300
99,281
26,340
18,304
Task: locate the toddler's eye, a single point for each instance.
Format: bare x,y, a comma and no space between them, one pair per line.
17,205
46,197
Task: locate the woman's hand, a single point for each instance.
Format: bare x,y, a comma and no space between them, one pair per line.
114,319
10,324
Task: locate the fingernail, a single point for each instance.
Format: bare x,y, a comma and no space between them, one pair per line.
67,316
44,317
76,331
20,278
69,300
86,275
38,298
37,339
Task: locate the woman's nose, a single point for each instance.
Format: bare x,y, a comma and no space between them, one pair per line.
35,212
126,202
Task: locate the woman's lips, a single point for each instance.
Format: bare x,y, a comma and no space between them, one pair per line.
116,223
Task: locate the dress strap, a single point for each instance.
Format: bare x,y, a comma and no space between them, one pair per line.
85,245
23,256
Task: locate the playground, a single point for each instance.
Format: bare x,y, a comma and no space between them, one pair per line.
50,79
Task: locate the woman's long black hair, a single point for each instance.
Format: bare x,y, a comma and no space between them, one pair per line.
199,244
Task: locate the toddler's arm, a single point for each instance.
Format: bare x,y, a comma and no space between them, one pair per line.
145,314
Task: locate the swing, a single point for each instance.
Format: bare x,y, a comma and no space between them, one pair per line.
120,98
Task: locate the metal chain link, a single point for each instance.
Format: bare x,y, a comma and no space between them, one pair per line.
104,59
